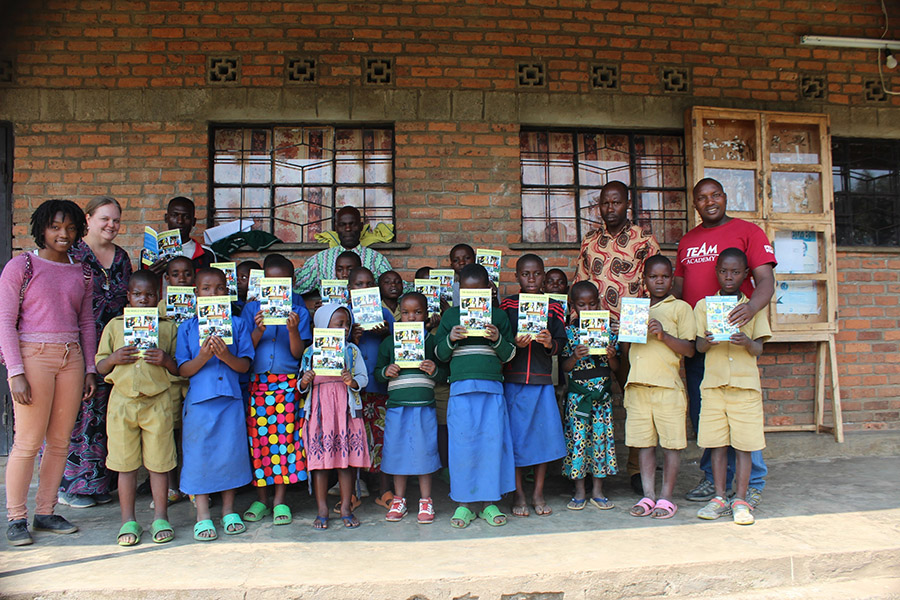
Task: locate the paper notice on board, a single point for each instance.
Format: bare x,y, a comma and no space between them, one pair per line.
797,298
796,252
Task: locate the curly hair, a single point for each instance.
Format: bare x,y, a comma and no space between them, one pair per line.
44,214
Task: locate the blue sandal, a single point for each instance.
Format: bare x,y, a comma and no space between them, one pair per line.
204,526
233,520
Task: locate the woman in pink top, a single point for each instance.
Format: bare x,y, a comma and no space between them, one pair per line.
48,340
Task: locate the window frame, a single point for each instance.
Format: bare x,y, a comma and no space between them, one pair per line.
214,126
577,188
839,161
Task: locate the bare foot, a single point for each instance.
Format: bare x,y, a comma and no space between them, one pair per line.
320,522
520,510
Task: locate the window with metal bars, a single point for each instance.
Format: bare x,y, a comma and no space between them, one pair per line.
866,175
562,172
291,179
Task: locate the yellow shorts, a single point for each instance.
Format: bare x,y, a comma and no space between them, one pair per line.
177,392
140,432
655,414
731,417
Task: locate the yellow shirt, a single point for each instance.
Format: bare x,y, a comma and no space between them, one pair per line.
654,363
728,364
139,378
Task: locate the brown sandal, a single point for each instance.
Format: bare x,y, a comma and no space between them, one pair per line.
354,504
385,500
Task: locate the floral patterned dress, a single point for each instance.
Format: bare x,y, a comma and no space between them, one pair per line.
590,447
86,472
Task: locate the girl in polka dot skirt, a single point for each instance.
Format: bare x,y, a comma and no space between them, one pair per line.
275,415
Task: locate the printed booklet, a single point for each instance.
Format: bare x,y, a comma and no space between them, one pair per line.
214,317
328,351
431,289
717,309
141,328
633,320
445,276
533,310
275,300
367,307
594,330
409,344
230,270
334,290
181,303
253,285
165,244
475,311
490,260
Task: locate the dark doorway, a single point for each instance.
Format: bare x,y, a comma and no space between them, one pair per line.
6,167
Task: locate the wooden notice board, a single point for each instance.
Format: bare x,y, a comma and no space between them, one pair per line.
775,168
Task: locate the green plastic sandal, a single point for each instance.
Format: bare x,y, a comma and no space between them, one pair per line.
205,526
130,528
256,512
233,520
161,526
491,513
282,515
462,517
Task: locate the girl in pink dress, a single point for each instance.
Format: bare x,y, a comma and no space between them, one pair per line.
334,436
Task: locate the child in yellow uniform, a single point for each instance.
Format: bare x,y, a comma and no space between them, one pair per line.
139,416
654,395
732,410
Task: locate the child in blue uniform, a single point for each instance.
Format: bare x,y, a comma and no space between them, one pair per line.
482,467
274,407
410,425
214,434
528,386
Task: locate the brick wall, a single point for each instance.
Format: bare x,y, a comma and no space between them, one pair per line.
111,97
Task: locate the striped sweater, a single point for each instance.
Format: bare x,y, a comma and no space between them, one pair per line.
474,357
413,387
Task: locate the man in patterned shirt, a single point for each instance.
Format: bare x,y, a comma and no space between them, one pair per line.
348,224
612,257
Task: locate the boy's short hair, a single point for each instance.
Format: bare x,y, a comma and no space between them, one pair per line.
733,253
312,294
580,287
356,270
465,247
249,265
423,272
277,261
472,272
656,259
349,254
182,200
144,276
417,296
177,260
205,271
43,216
381,277
529,257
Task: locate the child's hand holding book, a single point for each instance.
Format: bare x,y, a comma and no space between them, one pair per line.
493,333
392,370
428,366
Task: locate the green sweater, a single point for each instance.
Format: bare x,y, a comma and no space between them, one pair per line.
413,387
474,357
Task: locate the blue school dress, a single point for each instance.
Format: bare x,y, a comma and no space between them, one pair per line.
214,433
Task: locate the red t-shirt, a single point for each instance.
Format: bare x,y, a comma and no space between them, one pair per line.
700,247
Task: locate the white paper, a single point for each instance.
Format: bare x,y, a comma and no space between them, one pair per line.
796,252
220,232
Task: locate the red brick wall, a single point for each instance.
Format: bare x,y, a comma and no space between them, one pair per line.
456,180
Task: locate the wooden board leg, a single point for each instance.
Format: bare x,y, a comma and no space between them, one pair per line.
835,393
821,350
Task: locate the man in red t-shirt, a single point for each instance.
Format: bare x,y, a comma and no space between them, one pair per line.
695,278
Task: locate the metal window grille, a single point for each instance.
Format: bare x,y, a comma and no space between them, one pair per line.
562,172
291,179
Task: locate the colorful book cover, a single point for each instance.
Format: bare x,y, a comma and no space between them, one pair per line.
334,290
533,310
633,320
431,289
717,309
275,299
445,276
409,344
181,303
230,270
328,350
253,285
164,244
366,303
490,260
141,328
594,330
475,311
562,299
214,318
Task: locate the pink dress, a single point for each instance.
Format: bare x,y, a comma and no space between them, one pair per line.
333,439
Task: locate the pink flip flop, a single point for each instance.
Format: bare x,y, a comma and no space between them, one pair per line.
664,505
646,505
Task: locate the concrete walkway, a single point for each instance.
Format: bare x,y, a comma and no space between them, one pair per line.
827,528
